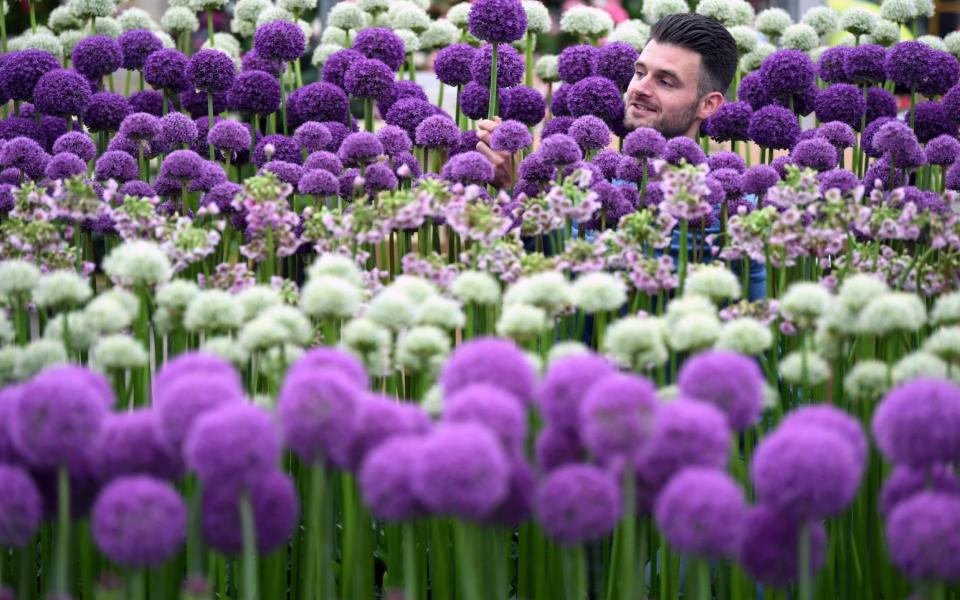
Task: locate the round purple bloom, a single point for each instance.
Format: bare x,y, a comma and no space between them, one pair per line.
520,103
701,512
923,537
359,148
222,195
489,360
560,149
613,204
437,131
469,168
252,61
607,161
511,136
753,91
313,136
942,74
21,507
595,96
120,143
558,102
517,506
730,122
316,409
181,165
453,63
727,160
233,446
787,72
841,179
578,503
565,385
577,62
468,142
139,521
951,103
815,153
840,135
411,162
835,421
616,61
864,64
211,173
321,102
105,111
394,140
590,132
556,125
381,44
181,395
61,93
644,142
285,171
136,188
65,165
768,546
275,512
229,136
881,103
326,161
379,418
348,180
176,129
96,56
368,78
462,470
140,126
284,148
730,381
24,154
398,91
187,365
773,127
931,120
114,164
386,478
148,101
683,148
556,447
379,177
832,65
212,70
497,21
869,132
880,170
279,40
905,482
21,71
896,139
535,169
916,423
908,64
319,182
337,64
841,102
136,46
509,66
474,101
616,416
256,92
492,407
805,471
942,150
167,70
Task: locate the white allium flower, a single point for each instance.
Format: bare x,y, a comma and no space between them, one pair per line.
458,14
945,343
822,18
946,309
137,263
370,342
933,41
800,37
896,311
228,349
88,9
107,26
345,15
546,68
406,15
746,336
415,288
249,10
628,33
858,21
441,312
392,309
792,368
337,265
919,364
598,292
37,356
374,6
521,322
715,282
586,22
694,332
7,333
69,39
548,290
411,41
741,13
952,41
923,8
225,43
772,22
635,343
166,40
885,33
117,352
17,277
538,17
298,328
752,60
61,18
275,361
745,38
261,334
106,315
725,11
440,34
322,52
329,297
274,13
829,339
533,359
564,349
432,401
178,19
688,305
177,294
423,348
424,4
8,364
136,18
256,299
858,290
45,41
898,11
166,322
213,311
58,290
804,302
297,7
334,36
477,287
866,381
654,10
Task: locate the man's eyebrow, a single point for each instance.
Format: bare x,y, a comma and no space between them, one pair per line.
666,72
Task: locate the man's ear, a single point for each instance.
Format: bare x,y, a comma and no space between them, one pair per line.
709,104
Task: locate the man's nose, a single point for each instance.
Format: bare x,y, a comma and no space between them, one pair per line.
642,87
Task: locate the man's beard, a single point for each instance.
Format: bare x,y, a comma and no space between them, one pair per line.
670,125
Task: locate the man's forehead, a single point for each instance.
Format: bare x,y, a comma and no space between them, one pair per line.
669,57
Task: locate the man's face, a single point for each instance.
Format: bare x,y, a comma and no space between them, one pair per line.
663,93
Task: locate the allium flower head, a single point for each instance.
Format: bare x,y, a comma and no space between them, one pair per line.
509,66
489,360
912,425
841,102
167,70
578,503
279,40
469,168
234,446
211,71
21,506
586,22
329,399
497,21
275,511
523,104
96,56
701,512
577,62
77,143
438,131
386,478
257,92
768,545
492,407
368,78
61,93
597,96
132,443
616,416
510,136
834,420
773,127
453,63
60,290
598,292
787,72
731,382
923,536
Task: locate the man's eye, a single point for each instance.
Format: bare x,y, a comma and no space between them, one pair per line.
640,74
666,83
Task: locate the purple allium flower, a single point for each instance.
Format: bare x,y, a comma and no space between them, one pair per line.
577,62
347,182
61,93
322,102
864,64
753,91
869,132
176,129
881,103
834,420
841,102
520,103
534,168
474,101
556,125
941,76
942,150
222,195
595,96
880,170
285,171
136,188
951,103
438,131
730,122
368,78
683,148
841,179
167,70
148,101
120,143
181,395
497,21
773,127
806,472
578,503
139,521
411,162
381,44
931,120
701,513
337,64
21,71
492,407
275,512
469,167
558,102
398,91
615,61
923,537
768,545
590,132
229,136
394,140
313,136
839,134
386,478
140,127
644,142
252,61
908,64
905,482
105,111
726,160
359,148
136,46
517,505
896,139
613,204
453,63
556,447
13,127
211,173
316,409
59,415
24,154
607,161
816,153
21,507
181,165
787,72
596,175
233,446
326,161
114,164
462,471
279,40
284,148
96,56
212,70
378,418
256,92
379,177
489,360
914,425
509,66
560,149
616,416
565,385
511,136
730,381
831,66
65,165
319,182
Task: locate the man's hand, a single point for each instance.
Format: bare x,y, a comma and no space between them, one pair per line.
502,176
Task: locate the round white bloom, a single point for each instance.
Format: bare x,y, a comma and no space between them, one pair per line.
274,13
392,309
752,60
337,265
441,312
476,286
106,315
82,335
249,10
741,13
8,364
166,40
374,6
654,10
586,22
61,18
137,263
58,290
7,333
918,364
538,17
828,339
858,290
521,322
458,14
746,336
546,68
177,294
37,356
298,7
688,305
858,21
533,359
423,349
415,288
329,297
432,401
933,41
256,299
564,349
345,15
88,9
69,39
694,332
213,311
804,302
322,52
952,41
406,15
45,41
117,352
885,33
125,298
792,368
800,37
712,281
946,309
598,292
866,381
923,8
725,11
773,21
298,329
224,42
945,343
261,334
440,34
745,37
107,26
630,34
136,18
275,361
228,349
334,36
17,277
896,311
548,290
370,342
635,343
898,11
822,18
411,41
178,19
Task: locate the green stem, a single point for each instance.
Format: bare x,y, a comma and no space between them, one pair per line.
528,53
249,591
61,565
702,567
210,112
368,115
33,17
411,591
804,577
210,27
492,108
467,567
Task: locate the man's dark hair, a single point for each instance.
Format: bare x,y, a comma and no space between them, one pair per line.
708,38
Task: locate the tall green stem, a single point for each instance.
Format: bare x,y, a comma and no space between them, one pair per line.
804,577
61,577
492,108
368,115
210,116
210,27
528,54
410,591
249,591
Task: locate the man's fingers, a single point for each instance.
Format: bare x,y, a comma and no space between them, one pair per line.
487,125
495,157
484,136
